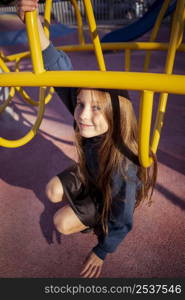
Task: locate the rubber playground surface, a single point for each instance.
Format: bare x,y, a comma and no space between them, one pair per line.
30,246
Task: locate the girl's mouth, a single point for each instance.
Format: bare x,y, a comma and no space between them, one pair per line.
85,125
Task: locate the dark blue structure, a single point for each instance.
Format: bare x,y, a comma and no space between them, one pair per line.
138,28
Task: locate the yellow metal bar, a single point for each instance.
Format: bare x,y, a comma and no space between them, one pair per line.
81,37
27,98
22,141
3,66
127,60
106,46
20,55
21,91
145,117
122,46
6,102
181,29
47,17
159,121
174,38
176,33
110,79
155,32
94,34
34,41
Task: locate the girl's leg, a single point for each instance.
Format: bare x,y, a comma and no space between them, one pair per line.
54,190
67,222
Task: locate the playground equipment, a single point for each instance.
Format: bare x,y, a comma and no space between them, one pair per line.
147,83
139,27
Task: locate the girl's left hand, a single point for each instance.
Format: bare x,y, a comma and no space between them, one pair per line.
92,266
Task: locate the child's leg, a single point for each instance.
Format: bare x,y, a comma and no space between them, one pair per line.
67,222
54,190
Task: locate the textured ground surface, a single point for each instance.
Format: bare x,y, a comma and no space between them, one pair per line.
30,247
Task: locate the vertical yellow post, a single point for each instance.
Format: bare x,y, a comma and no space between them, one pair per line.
94,34
81,37
47,17
145,117
175,39
155,32
34,41
127,60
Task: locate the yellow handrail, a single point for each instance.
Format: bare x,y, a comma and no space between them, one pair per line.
110,79
106,46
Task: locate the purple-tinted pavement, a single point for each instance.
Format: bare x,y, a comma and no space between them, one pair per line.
30,247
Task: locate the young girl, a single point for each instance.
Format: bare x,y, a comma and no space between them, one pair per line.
107,183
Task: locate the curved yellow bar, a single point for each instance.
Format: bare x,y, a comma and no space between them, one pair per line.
4,67
20,142
27,98
94,34
81,37
33,37
8,100
145,118
24,94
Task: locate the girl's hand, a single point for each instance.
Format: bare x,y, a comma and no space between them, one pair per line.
92,266
23,6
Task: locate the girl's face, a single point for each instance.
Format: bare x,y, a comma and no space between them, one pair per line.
88,114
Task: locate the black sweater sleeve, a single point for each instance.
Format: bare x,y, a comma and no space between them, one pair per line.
121,220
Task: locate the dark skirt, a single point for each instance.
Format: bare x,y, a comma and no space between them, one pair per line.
85,203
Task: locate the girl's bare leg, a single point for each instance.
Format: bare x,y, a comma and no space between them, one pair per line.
54,190
65,219
67,222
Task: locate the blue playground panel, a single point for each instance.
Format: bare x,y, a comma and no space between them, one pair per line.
138,28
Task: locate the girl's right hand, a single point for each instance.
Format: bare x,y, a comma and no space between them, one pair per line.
23,6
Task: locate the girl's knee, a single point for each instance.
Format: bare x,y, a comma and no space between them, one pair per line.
60,224
54,190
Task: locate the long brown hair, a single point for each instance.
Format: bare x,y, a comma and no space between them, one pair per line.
119,145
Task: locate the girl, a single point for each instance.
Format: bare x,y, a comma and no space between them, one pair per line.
107,183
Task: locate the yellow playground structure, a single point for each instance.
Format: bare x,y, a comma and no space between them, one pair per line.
147,83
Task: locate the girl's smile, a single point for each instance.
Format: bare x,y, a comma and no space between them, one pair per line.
85,125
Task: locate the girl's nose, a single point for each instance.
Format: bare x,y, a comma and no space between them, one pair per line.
84,114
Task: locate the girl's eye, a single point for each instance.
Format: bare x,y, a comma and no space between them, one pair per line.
95,107
79,104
